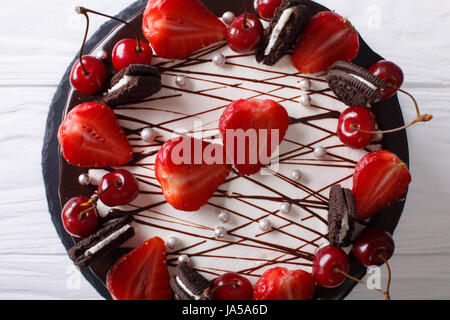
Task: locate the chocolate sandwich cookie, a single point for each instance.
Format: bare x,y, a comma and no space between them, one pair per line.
188,284
102,242
133,84
283,32
342,215
354,85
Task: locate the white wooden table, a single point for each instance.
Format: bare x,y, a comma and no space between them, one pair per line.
38,40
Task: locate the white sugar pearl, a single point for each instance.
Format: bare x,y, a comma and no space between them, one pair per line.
101,54
296,174
228,17
172,243
148,135
220,232
84,179
219,60
305,84
223,216
265,225
305,100
180,81
285,208
184,259
377,137
320,152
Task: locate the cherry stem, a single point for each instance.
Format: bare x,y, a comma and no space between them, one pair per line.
80,11
85,11
93,200
384,293
419,118
210,293
388,285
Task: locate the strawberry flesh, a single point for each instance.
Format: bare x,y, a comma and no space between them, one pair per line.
283,284
327,38
177,28
250,115
90,136
191,180
142,274
380,179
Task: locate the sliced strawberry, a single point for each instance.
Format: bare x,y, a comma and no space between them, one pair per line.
245,120
142,274
188,176
282,284
327,38
90,136
380,179
177,28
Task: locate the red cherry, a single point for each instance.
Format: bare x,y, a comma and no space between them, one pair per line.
118,188
244,39
232,286
126,53
390,73
79,218
361,118
266,8
372,244
325,263
90,79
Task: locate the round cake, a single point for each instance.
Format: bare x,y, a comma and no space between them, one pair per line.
278,217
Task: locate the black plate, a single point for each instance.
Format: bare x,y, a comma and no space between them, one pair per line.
388,114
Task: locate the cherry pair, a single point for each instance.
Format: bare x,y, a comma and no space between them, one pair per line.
116,188
373,247
89,73
356,127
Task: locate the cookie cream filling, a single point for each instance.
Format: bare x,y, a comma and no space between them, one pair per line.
183,286
369,84
278,28
344,224
124,81
106,241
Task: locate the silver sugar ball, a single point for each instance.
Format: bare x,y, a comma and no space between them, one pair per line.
305,84
180,81
296,174
223,216
172,243
305,100
285,207
320,152
265,225
78,9
84,179
228,17
184,259
148,134
220,232
219,60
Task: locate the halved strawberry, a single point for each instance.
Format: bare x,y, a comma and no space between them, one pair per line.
327,38
283,284
189,173
380,179
141,274
177,28
246,121
90,136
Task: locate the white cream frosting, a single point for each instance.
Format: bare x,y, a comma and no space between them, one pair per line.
211,88
278,28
